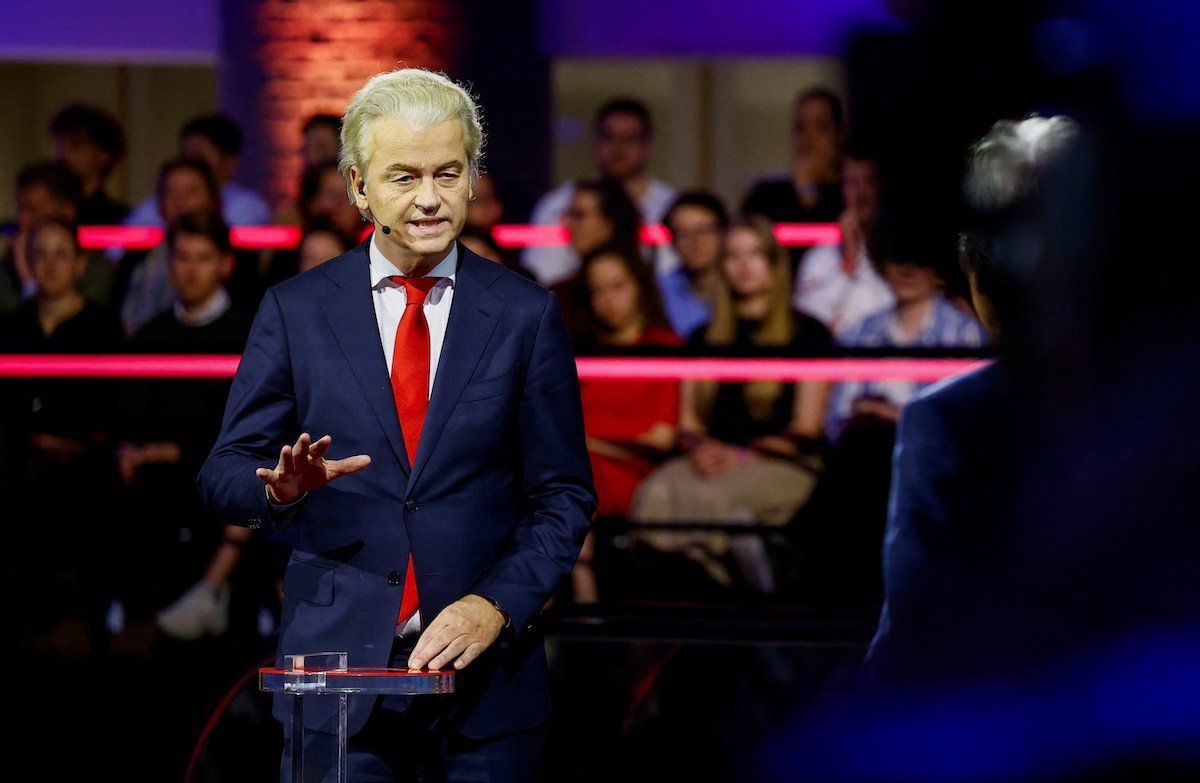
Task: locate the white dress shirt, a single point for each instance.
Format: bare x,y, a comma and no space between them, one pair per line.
840,301
389,299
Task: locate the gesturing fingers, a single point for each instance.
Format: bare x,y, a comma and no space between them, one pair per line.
287,463
300,450
319,447
340,467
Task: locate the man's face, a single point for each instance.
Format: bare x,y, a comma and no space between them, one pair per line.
320,144
36,204
418,183
860,187
184,191
622,147
198,268
814,130
696,235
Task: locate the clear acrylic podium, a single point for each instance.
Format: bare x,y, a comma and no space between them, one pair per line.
326,676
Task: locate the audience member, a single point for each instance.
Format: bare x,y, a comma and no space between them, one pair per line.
321,141
59,429
323,198
322,138
217,140
910,254
486,208
810,192
630,425
143,289
837,284
623,139
320,243
483,244
697,221
168,426
90,142
746,455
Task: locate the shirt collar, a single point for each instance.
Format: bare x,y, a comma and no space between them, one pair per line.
213,309
381,268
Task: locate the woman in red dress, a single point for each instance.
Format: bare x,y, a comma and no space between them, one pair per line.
630,425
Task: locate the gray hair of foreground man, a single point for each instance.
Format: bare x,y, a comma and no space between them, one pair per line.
1014,184
415,95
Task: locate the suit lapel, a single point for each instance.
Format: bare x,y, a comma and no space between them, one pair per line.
351,315
474,313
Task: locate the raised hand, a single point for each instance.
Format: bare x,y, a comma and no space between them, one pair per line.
302,468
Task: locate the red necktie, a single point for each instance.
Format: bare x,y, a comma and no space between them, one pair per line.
410,387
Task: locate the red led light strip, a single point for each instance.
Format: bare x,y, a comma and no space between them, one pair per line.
590,368
507,235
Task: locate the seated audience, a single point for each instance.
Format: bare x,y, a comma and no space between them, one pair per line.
216,140
623,139
697,221
90,142
746,444
167,427
810,192
143,288
837,284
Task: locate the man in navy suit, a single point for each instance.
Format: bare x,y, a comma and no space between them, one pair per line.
450,489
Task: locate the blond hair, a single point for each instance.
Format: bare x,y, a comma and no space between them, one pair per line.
778,326
415,95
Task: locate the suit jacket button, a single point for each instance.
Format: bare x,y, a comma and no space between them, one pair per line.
411,506
395,579
530,628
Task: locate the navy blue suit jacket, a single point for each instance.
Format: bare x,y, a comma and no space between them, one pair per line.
952,561
497,503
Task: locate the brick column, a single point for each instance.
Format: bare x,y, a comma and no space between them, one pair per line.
284,60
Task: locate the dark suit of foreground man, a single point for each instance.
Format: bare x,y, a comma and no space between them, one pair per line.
492,510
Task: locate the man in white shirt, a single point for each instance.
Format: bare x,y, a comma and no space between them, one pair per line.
623,140
838,284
